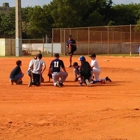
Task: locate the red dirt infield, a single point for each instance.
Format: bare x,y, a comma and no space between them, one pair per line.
108,111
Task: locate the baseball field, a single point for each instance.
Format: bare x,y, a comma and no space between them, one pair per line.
108,111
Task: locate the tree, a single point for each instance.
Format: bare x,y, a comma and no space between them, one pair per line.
7,24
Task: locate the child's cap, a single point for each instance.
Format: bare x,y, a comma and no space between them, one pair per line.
92,55
70,36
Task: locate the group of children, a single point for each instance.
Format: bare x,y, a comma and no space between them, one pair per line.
88,73
84,73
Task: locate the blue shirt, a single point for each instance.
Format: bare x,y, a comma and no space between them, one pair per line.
15,72
56,64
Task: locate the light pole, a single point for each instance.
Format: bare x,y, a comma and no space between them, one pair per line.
18,39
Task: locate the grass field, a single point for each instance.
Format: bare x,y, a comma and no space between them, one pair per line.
108,111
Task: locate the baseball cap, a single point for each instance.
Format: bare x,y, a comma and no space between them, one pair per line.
56,55
70,36
75,64
82,58
92,55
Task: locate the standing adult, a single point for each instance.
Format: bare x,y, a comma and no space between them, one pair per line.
71,45
55,69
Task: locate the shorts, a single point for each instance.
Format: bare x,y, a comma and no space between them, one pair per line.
73,49
18,76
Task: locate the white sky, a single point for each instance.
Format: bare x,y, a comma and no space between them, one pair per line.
26,3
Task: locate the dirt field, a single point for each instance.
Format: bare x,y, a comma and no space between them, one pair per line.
108,111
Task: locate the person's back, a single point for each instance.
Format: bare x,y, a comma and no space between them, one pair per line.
85,70
55,68
37,66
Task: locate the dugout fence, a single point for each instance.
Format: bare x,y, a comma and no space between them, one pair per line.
101,39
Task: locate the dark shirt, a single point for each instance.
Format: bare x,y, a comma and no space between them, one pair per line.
56,64
15,71
85,69
72,41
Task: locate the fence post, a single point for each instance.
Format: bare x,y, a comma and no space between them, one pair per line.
88,38
130,40
64,43
108,39
43,45
52,41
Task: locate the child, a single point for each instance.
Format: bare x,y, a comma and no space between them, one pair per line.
37,68
56,67
16,74
96,70
76,71
85,71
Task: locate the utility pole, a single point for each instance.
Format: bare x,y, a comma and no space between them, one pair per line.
18,39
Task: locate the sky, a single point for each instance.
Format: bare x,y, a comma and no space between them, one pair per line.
32,3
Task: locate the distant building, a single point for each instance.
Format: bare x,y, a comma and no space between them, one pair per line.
5,8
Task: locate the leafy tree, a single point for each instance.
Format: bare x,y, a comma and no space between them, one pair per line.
36,23
7,24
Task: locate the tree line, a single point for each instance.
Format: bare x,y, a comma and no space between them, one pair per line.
38,21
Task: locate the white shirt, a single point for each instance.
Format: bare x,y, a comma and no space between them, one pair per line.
94,64
37,65
32,61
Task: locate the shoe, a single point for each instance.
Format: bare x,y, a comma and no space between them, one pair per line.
91,82
70,66
76,79
80,84
69,53
57,84
87,82
30,84
102,81
61,84
108,79
11,82
19,83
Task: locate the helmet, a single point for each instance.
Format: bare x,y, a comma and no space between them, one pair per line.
82,58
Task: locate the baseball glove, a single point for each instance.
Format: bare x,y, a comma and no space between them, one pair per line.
50,75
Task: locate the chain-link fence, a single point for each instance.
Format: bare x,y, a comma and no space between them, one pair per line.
100,40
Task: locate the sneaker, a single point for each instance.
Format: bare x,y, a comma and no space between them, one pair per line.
70,66
108,79
57,84
102,81
80,84
87,82
69,53
76,79
61,84
11,82
19,83
30,84
91,82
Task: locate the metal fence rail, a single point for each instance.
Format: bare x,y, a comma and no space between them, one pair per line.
88,38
